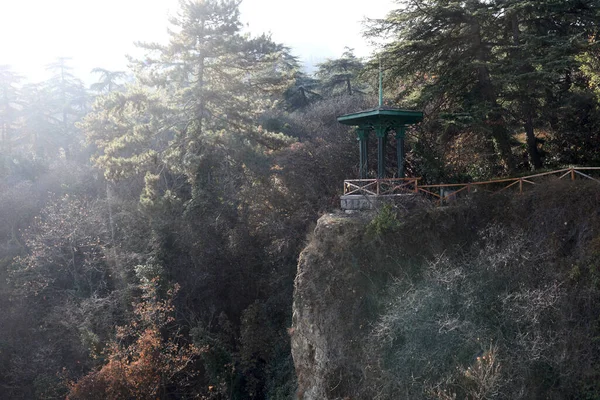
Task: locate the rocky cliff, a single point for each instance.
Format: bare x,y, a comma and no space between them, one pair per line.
331,294
495,297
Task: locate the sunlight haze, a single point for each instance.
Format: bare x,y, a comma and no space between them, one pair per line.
34,33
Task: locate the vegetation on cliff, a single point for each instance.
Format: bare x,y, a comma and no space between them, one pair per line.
491,298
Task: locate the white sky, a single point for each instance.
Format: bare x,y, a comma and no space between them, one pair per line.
98,33
315,29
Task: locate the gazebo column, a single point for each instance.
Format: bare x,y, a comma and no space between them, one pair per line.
381,142
400,131
363,146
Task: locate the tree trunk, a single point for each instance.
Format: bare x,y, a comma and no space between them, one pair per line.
488,96
534,155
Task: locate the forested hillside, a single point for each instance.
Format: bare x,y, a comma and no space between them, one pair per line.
150,225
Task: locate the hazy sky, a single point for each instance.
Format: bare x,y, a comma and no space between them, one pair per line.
98,33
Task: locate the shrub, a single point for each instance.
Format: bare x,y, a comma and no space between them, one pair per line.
147,360
385,221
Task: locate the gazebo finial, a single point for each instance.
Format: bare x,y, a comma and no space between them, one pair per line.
380,84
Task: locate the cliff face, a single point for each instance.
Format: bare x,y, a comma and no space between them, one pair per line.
329,299
491,298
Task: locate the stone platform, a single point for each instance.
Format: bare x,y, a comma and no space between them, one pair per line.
370,202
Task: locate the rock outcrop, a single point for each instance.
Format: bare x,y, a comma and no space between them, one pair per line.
491,298
331,296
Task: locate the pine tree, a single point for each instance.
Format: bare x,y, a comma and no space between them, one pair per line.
448,44
41,128
496,64
197,99
303,92
69,103
9,108
541,45
341,76
109,80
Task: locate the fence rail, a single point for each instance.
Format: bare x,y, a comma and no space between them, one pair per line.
378,187
444,192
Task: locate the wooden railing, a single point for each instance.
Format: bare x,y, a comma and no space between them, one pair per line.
379,187
445,192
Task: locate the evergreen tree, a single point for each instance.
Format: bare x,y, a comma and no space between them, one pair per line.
590,67
538,57
303,91
109,80
9,108
200,93
492,64
41,128
448,44
70,103
341,76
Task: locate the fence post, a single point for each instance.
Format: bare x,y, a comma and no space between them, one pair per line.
572,173
520,185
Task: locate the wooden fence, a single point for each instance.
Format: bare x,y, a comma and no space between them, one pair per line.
380,187
445,192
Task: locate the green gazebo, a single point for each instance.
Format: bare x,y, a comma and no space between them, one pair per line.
382,120
364,193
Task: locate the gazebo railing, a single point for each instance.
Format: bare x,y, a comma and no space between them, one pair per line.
381,187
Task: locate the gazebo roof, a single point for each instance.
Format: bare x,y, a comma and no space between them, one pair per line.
380,114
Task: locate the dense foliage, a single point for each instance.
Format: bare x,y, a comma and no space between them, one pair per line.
150,225
501,75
